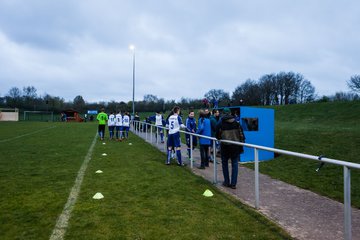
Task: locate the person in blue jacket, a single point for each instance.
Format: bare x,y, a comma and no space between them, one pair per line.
190,127
204,128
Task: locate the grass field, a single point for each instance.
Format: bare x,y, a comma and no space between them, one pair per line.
144,199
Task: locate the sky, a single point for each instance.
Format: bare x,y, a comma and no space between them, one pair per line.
183,48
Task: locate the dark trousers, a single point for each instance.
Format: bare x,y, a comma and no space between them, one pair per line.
234,157
204,154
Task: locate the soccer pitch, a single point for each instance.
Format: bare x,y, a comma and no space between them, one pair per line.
143,198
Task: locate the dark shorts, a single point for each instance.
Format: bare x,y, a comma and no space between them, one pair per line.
101,128
118,128
126,129
174,140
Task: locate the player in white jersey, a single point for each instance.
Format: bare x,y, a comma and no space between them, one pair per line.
174,123
118,126
159,124
111,125
126,125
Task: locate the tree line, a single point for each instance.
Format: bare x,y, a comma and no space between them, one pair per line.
271,89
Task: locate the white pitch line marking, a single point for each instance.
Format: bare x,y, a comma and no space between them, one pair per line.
63,220
27,134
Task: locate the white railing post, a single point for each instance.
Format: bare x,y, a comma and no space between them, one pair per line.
191,152
256,159
214,162
347,203
151,133
146,131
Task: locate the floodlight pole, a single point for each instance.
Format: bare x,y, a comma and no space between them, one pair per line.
132,48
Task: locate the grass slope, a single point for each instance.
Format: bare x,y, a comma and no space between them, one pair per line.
330,129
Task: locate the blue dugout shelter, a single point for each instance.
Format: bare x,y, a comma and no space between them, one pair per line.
259,128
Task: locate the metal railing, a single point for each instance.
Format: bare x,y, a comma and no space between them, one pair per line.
346,166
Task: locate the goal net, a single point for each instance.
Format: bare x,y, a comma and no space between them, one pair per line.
9,114
42,116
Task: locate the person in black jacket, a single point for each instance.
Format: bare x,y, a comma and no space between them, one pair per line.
229,129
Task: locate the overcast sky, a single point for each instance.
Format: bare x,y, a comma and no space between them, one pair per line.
183,48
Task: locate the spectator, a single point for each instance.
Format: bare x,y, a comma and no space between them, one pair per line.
214,119
137,119
190,127
229,129
204,129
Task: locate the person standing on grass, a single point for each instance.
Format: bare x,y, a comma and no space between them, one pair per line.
204,129
111,125
190,127
102,117
174,122
126,125
229,129
118,126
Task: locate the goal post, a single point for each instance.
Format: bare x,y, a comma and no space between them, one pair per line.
9,114
42,116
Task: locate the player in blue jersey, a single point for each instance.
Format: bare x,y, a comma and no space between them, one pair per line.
174,123
190,127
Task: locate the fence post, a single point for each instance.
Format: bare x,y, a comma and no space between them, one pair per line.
256,158
191,151
151,133
347,203
146,131
215,164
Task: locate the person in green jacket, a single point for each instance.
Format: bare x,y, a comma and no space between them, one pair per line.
102,117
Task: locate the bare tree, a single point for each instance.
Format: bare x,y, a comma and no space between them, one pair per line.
306,92
217,95
150,98
29,92
79,103
248,93
354,83
267,89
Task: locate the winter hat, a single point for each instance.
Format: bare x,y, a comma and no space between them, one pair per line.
226,111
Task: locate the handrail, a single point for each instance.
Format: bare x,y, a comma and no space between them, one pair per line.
346,165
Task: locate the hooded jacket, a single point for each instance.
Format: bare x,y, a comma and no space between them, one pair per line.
229,129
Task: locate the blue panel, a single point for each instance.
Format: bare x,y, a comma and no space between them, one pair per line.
259,129
264,135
